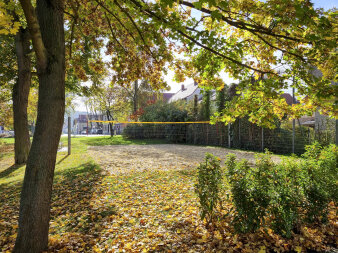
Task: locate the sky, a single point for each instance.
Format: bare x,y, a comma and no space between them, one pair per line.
326,4
174,86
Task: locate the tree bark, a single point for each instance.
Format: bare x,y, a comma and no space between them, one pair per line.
109,117
20,96
135,97
37,186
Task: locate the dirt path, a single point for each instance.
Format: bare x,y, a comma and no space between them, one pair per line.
127,158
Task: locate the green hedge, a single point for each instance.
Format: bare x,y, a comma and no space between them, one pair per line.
281,197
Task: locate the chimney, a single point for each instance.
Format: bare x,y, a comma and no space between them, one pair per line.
182,87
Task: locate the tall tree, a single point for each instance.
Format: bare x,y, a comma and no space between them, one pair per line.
18,78
221,98
20,96
46,29
205,110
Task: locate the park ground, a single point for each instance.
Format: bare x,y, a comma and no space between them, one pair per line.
118,195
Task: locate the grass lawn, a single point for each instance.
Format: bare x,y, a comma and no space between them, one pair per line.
149,211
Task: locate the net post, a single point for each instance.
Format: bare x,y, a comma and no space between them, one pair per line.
239,133
229,137
262,139
293,135
207,134
293,121
337,132
69,135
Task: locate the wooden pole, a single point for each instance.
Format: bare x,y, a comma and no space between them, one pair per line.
239,132
293,122
337,132
207,134
262,139
69,135
229,135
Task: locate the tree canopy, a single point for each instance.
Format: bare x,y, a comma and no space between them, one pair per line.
267,45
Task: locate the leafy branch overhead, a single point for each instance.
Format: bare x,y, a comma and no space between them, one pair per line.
264,44
269,42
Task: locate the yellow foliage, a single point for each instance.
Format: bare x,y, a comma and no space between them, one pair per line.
7,25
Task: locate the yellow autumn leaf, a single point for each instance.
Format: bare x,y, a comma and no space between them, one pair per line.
298,249
262,249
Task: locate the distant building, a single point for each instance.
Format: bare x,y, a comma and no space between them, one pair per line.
166,96
187,93
81,123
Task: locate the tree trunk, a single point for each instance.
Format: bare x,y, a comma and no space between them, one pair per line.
109,117
20,96
135,97
37,186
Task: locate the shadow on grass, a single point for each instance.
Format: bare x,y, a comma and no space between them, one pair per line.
10,170
79,209
62,160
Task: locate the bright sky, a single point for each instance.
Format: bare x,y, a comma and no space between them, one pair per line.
326,4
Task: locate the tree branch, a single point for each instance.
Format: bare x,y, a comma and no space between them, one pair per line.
112,33
243,25
34,30
151,13
137,28
280,49
118,20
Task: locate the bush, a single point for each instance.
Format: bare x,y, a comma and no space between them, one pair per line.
208,187
251,191
287,197
320,188
282,197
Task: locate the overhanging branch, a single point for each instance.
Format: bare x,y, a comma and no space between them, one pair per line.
34,30
152,14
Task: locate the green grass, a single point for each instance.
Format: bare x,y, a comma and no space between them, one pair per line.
115,140
7,141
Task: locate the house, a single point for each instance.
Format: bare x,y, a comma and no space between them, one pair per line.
187,93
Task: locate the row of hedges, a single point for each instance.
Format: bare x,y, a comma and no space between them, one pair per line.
283,197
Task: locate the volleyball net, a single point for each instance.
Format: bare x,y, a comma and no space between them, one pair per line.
240,135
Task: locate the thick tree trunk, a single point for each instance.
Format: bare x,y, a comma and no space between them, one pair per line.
37,187
20,96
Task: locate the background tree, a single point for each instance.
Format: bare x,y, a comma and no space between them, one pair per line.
206,105
6,111
16,52
221,97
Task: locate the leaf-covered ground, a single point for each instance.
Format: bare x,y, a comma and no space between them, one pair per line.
135,205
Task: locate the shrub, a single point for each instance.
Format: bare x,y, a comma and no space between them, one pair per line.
320,188
251,191
282,197
287,198
208,187
245,217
